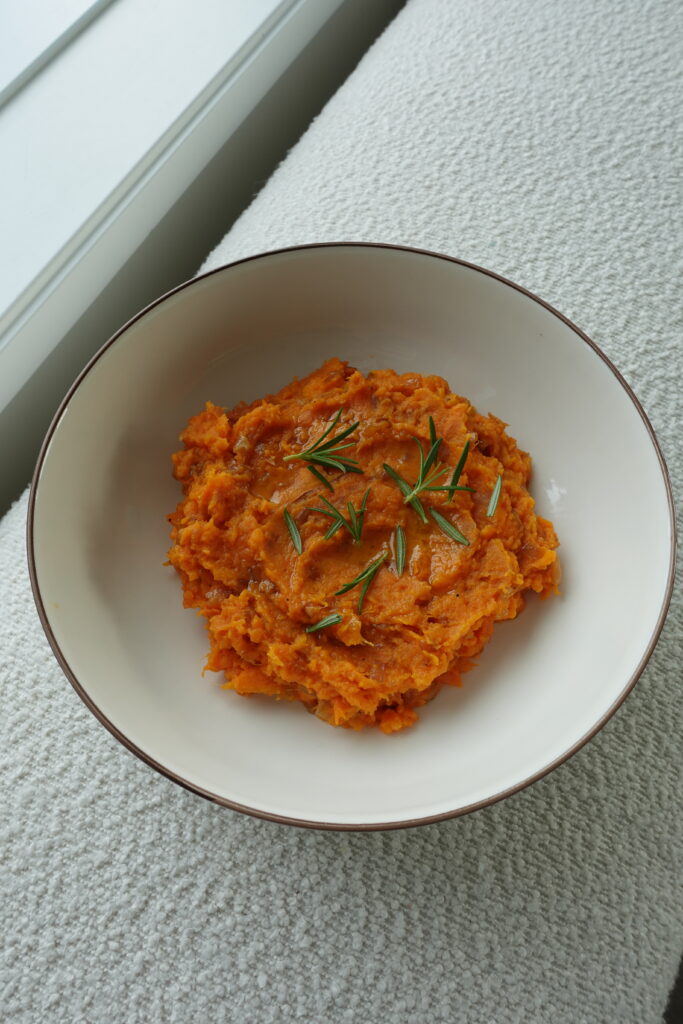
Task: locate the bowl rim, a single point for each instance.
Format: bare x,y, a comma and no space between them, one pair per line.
304,822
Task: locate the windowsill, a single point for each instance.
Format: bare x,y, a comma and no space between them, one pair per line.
79,211
162,225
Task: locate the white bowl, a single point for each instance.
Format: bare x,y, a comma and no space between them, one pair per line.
98,534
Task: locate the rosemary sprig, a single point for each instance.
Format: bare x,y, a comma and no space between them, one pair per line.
406,491
495,495
329,620
365,578
447,527
430,471
325,452
454,486
294,530
400,550
427,476
354,524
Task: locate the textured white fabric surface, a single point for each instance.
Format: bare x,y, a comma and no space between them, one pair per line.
542,140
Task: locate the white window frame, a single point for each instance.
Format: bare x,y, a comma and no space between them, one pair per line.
32,35
83,262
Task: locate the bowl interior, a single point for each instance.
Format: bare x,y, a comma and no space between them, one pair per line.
545,680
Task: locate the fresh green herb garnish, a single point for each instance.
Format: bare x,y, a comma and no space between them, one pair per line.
495,495
354,524
400,550
428,476
320,477
447,527
329,620
365,577
407,490
325,452
294,531
453,486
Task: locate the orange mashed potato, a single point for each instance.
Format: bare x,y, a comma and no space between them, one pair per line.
417,631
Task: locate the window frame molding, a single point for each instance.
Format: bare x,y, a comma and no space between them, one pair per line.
33,324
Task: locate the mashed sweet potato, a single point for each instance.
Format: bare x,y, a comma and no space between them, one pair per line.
417,631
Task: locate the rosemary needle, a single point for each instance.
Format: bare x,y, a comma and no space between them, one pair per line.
365,577
447,527
294,531
400,550
495,495
453,486
320,477
329,620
